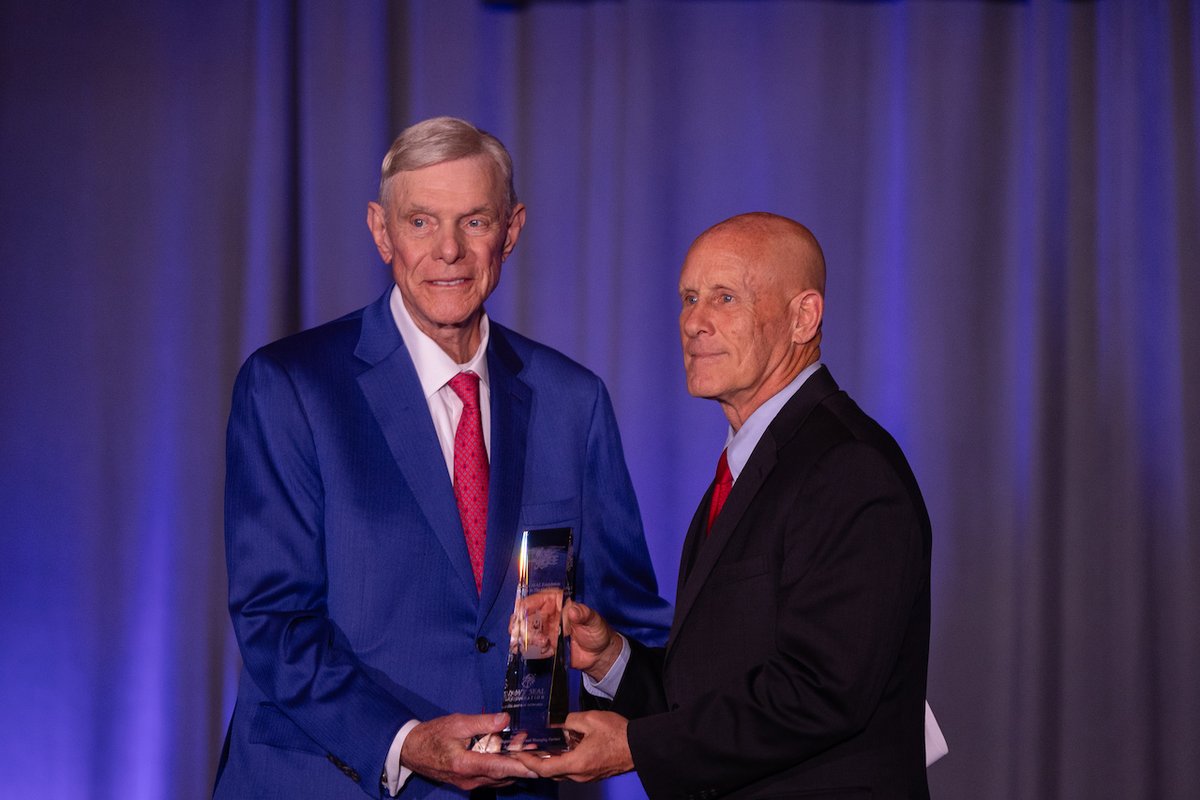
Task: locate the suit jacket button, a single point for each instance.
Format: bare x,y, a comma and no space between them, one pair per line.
482,644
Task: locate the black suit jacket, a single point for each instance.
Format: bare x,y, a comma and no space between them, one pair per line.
797,657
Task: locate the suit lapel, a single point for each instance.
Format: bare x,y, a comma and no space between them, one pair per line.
693,542
510,404
394,394
707,550
709,547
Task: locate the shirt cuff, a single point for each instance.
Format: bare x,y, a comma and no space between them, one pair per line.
935,741
396,774
607,686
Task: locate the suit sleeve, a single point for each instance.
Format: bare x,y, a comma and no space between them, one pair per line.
640,691
617,575
274,540
853,567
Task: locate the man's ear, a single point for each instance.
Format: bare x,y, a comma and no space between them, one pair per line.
808,309
377,222
516,221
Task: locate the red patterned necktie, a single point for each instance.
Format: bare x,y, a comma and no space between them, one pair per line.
471,471
721,486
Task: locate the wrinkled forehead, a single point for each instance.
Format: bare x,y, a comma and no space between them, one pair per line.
474,179
720,260
706,267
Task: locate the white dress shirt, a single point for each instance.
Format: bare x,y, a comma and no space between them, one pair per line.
434,370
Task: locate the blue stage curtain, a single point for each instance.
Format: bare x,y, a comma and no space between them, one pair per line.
1008,198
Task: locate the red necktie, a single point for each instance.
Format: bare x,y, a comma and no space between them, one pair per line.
471,471
721,486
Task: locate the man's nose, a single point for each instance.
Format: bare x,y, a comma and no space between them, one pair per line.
693,320
449,245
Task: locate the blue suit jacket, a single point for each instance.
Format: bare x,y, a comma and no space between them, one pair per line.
350,588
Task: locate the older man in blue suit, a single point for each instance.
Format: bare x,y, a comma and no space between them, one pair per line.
379,470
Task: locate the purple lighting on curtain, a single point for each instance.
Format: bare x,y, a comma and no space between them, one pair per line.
1007,194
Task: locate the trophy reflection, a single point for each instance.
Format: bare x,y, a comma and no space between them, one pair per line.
535,682
534,629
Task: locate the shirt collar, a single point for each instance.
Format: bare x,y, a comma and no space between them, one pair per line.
739,445
434,367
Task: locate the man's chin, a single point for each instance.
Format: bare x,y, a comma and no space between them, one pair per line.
701,390
464,317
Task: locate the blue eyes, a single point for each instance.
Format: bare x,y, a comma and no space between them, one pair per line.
724,299
475,223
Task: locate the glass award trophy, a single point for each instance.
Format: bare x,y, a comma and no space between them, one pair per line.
536,695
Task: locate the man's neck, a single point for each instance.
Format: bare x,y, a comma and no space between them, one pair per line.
458,341
737,412
740,443
435,364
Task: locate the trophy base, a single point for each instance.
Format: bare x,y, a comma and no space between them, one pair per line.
560,740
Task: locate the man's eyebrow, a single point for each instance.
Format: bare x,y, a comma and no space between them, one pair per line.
419,209
480,210
717,287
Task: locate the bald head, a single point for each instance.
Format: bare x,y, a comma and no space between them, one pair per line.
753,290
777,248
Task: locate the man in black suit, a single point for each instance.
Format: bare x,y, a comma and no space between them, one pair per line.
797,658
